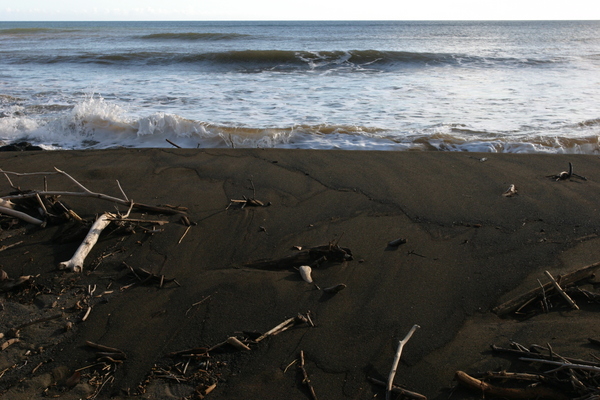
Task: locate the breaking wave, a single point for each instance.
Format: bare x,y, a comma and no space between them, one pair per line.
97,124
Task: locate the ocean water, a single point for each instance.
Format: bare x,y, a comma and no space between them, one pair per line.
453,86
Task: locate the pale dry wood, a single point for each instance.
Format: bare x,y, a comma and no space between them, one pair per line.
510,393
390,381
85,192
20,215
562,365
306,379
399,390
572,277
75,264
288,323
561,291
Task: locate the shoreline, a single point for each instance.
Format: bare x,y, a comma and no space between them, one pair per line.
468,248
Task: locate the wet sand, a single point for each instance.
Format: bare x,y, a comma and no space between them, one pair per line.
468,248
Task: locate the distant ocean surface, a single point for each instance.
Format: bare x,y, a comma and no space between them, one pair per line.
453,86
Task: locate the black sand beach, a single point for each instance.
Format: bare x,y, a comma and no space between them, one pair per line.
468,249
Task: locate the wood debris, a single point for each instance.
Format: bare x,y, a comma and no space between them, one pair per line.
566,378
564,175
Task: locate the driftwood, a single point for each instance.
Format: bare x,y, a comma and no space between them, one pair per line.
305,378
562,365
401,344
75,264
144,276
399,390
85,192
567,175
330,252
510,393
561,291
285,325
567,279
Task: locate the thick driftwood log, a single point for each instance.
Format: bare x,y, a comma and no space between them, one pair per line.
572,277
509,393
75,264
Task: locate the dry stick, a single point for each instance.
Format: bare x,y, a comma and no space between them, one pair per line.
399,390
545,301
511,393
278,329
75,264
21,215
572,277
306,380
184,233
84,193
390,382
104,348
562,365
561,291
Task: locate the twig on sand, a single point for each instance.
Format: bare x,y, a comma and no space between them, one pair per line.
561,291
305,378
401,344
399,390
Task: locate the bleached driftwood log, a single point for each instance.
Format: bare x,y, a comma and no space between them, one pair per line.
75,264
390,381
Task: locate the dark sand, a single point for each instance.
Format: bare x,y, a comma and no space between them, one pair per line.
468,249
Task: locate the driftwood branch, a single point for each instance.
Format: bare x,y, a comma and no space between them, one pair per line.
562,365
399,390
75,264
572,277
305,378
561,291
85,192
390,380
510,393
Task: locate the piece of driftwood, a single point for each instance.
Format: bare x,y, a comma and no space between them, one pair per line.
311,256
390,381
527,353
144,277
562,365
285,325
10,284
567,279
335,289
561,291
398,390
75,264
510,393
85,192
567,175
511,191
305,378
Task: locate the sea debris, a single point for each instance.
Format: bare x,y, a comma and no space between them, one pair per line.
564,175
511,191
